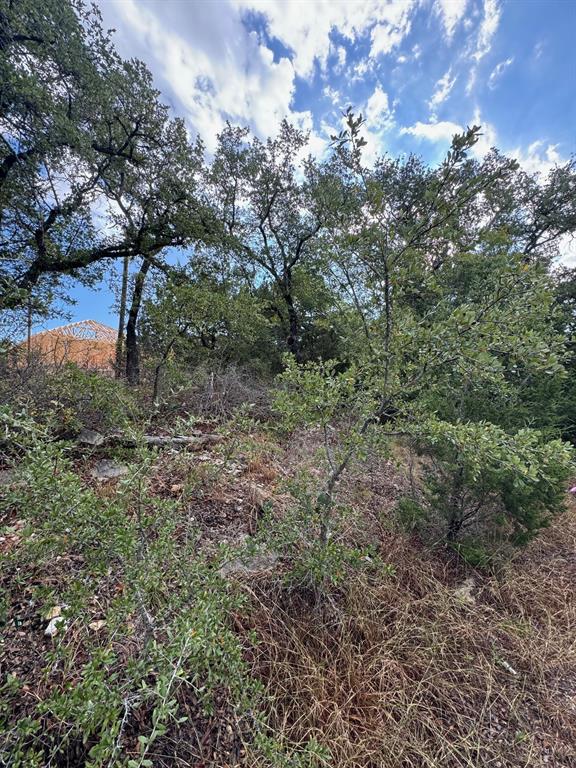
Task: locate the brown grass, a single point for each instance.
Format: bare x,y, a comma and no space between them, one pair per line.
402,671
393,671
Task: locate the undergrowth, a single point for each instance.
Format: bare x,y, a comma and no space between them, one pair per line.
370,650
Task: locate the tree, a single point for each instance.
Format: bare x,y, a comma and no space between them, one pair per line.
272,206
158,207
458,323
565,323
83,133
203,317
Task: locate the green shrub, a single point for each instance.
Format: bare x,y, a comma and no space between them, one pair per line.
484,481
71,398
171,615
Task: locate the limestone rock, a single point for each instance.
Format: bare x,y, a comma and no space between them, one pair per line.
107,469
90,437
263,563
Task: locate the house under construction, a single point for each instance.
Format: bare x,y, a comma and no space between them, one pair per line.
88,344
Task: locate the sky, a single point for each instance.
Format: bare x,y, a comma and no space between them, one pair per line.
419,71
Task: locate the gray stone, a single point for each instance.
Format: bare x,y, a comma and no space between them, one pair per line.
107,469
90,437
263,563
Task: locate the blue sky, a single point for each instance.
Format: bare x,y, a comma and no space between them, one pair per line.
419,70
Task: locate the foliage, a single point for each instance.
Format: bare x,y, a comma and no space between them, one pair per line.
177,607
71,398
407,306
458,341
85,140
204,322
493,483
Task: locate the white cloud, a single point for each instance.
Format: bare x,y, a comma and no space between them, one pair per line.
212,68
378,108
451,12
333,94
394,26
442,90
486,31
443,130
209,80
305,27
498,71
539,157
360,69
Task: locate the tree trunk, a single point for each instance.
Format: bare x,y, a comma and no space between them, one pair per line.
292,340
122,318
158,371
132,350
29,331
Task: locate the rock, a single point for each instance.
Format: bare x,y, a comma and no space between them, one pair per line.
53,613
183,442
258,496
90,437
107,469
6,476
258,564
57,624
464,591
96,626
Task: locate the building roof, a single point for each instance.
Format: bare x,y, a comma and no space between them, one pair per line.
88,330
87,343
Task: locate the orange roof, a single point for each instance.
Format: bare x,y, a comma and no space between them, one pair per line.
84,329
87,343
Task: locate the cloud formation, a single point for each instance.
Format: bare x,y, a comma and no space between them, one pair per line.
498,71
451,13
442,90
401,62
442,130
485,35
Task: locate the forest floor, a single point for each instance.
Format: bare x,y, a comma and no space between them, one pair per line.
420,662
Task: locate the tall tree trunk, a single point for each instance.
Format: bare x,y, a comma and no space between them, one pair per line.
122,318
292,340
29,330
132,350
293,329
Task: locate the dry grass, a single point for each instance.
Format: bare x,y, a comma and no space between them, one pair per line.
402,671
393,671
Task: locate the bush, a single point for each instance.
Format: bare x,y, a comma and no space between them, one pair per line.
71,398
482,481
165,608
219,392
